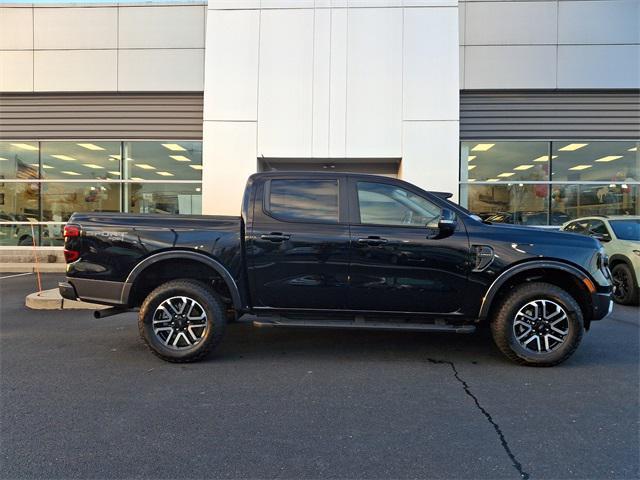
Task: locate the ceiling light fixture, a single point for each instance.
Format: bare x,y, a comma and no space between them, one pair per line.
145,166
196,167
90,146
114,172
93,165
544,158
493,180
609,158
174,147
116,157
3,159
524,167
506,174
471,167
633,149
572,147
165,174
180,158
64,157
137,179
482,147
67,172
471,157
24,146
581,167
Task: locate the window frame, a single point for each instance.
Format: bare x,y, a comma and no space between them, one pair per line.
341,189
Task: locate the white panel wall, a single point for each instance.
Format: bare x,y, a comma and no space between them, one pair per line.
430,157
429,69
599,66
16,28
510,67
285,92
16,74
331,82
601,22
75,28
512,44
161,70
75,70
231,69
229,157
320,109
161,27
374,82
338,84
102,48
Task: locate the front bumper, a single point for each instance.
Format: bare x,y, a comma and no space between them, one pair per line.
602,305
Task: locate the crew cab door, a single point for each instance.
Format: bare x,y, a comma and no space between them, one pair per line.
400,261
299,243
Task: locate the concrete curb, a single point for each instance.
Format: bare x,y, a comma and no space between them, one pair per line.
31,267
52,300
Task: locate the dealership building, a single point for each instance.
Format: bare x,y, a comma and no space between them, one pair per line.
528,111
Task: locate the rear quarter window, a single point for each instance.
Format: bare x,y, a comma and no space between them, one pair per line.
304,200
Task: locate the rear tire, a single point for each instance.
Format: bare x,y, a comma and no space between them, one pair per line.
538,324
625,291
182,321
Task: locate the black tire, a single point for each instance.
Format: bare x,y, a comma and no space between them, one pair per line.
504,330
625,291
211,335
25,242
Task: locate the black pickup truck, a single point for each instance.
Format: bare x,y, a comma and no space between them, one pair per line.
341,251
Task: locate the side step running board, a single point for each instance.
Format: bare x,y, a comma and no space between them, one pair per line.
412,327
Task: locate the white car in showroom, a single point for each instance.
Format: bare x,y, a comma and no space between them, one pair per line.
620,237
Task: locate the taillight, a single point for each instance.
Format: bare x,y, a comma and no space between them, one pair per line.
71,232
71,255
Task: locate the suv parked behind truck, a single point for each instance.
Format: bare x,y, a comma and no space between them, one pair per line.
341,251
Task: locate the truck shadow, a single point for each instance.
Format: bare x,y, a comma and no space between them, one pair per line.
245,341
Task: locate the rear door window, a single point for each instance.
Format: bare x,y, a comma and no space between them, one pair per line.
313,201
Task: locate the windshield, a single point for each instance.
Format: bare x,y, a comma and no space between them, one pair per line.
626,229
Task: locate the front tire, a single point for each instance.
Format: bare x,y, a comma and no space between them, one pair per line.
182,321
625,291
538,324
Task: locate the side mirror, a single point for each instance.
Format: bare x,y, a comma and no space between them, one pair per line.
602,237
447,224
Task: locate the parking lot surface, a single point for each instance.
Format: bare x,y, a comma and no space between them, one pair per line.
84,398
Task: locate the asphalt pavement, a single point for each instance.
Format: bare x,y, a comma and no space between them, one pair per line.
83,398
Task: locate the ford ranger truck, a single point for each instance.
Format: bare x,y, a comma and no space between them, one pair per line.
339,250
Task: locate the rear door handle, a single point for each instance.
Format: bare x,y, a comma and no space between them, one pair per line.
275,237
372,241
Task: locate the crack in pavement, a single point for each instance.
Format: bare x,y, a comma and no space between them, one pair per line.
505,445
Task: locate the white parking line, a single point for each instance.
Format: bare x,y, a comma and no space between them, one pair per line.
17,275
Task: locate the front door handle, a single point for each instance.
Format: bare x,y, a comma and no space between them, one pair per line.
275,237
372,240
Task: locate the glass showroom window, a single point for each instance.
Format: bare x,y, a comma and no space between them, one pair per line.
80,160
43,183
614,165
492,176
167,176
19,193
549,183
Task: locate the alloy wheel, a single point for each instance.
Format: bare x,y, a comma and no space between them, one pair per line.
180,322
621,283
541,326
